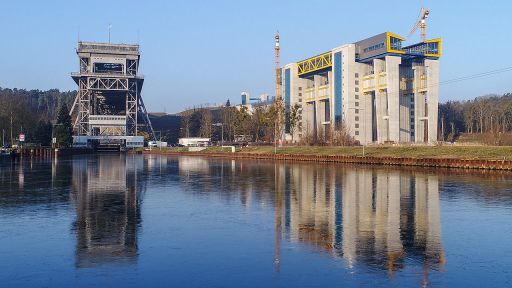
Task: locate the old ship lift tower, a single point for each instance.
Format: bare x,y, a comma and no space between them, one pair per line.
108,105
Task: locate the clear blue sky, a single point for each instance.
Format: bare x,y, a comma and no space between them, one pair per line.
208,51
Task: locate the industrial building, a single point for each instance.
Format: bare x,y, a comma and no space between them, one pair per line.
377,89
109,106
264,100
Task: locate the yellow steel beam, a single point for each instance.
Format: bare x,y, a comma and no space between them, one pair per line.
314,63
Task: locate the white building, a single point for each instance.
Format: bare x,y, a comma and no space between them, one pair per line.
194,142
382,92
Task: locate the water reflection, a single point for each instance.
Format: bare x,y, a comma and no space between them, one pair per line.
376,217
107,198
223,219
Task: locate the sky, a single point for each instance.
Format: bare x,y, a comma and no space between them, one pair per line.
197,51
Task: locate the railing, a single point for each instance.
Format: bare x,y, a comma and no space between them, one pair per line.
421,83
382,81
105,47
309,94
323,91
368,83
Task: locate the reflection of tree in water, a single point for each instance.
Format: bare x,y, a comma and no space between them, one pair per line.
32,181
107,195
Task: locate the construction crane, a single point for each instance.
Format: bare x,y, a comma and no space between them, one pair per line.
277,59
424,12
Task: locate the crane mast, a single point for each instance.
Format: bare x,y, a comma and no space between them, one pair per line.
277,60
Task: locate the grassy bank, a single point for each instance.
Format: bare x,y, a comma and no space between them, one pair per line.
435,152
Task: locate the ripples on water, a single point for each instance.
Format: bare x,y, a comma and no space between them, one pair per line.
116,220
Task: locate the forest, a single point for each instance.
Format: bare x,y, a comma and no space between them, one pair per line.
30,112
487,118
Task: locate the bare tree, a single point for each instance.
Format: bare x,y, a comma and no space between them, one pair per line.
294,118
206,123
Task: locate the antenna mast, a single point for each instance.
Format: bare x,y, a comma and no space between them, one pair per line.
109,28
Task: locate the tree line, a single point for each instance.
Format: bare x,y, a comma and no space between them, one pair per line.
238,124
263,124
489,116
30,112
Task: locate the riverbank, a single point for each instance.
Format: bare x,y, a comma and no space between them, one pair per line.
469,157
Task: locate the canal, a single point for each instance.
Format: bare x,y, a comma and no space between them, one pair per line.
165,221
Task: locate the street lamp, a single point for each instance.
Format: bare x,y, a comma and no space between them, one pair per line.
158,143
222,131
364,128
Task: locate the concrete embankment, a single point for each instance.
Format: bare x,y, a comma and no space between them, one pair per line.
398,161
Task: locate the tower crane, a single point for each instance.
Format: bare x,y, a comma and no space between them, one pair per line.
277,62
421,23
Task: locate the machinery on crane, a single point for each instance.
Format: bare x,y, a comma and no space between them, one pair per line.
421,23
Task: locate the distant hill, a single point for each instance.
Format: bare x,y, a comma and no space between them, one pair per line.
168,124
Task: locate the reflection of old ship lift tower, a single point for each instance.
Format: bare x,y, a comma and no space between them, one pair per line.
109,103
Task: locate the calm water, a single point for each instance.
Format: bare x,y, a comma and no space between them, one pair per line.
156,221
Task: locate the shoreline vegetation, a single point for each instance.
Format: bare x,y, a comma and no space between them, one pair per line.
472,157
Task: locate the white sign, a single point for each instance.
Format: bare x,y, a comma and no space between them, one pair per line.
22,137
54,140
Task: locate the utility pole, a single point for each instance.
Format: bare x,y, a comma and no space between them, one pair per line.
222,131
11,129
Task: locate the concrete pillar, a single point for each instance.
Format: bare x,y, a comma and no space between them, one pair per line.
405,103
393,96
308,119
365,117
320,118
381,104
419,105
432,71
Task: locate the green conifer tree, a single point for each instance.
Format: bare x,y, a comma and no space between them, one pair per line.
63,131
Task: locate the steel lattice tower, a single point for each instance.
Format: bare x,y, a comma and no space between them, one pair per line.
109,102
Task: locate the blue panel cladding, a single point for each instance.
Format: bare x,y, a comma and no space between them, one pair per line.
338,96
287,98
